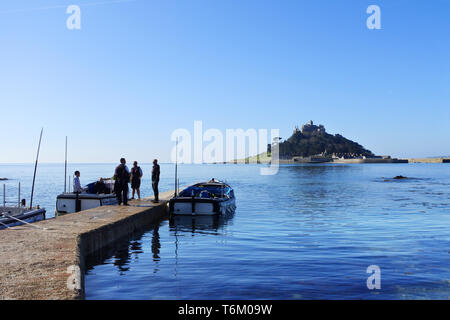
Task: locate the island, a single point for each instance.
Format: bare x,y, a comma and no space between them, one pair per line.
313,144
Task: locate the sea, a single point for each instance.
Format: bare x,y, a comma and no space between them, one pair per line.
311,231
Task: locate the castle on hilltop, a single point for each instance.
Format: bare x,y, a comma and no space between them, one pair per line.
310,127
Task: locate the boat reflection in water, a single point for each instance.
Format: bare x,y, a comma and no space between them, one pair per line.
154,247
211,224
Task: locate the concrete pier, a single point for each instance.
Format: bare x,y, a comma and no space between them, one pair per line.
47,261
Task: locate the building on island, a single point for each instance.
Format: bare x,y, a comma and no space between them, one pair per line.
310,127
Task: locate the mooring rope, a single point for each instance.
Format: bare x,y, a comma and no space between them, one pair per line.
5,225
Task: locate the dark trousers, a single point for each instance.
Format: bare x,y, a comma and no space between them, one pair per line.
122,193
155,190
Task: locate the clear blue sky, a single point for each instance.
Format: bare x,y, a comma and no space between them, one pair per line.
138,70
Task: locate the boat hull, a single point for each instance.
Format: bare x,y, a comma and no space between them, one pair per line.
201,207
70,202
28,216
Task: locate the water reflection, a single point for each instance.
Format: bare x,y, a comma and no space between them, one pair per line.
122,258
199,224
120,253
156,244
311,170
180,225
308,233
313,187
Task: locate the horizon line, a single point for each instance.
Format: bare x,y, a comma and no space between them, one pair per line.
219,162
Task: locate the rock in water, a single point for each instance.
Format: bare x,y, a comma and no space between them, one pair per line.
400,177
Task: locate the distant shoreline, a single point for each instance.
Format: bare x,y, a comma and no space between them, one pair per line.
262,160
343,161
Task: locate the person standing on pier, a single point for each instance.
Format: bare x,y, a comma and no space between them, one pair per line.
122,178
136,175
155,180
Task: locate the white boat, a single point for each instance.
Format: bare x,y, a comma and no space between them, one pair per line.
16,216
205,198
70,202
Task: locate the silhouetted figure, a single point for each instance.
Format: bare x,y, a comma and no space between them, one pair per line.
155,180
136,175
122,178
100,187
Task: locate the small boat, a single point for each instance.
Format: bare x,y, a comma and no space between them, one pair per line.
16,216
205,198
70,202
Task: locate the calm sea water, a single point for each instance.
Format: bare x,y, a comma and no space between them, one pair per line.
309,232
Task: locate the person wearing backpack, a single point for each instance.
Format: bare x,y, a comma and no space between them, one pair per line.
136,175
122,178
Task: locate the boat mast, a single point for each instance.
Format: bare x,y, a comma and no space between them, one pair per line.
35,169
65,169
176,167
18,200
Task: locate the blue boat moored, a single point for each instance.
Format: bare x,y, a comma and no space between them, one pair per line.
205,198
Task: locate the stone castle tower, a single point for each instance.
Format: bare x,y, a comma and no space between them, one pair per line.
310,127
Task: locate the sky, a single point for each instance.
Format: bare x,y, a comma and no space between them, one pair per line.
138,70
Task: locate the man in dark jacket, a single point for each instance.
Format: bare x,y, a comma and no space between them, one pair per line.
122,177
155,180
100,187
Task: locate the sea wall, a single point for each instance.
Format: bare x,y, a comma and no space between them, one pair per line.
371,160
429,160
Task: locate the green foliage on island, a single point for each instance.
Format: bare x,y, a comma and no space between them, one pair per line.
264,157
306,144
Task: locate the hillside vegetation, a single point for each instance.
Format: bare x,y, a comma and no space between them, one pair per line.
307,144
